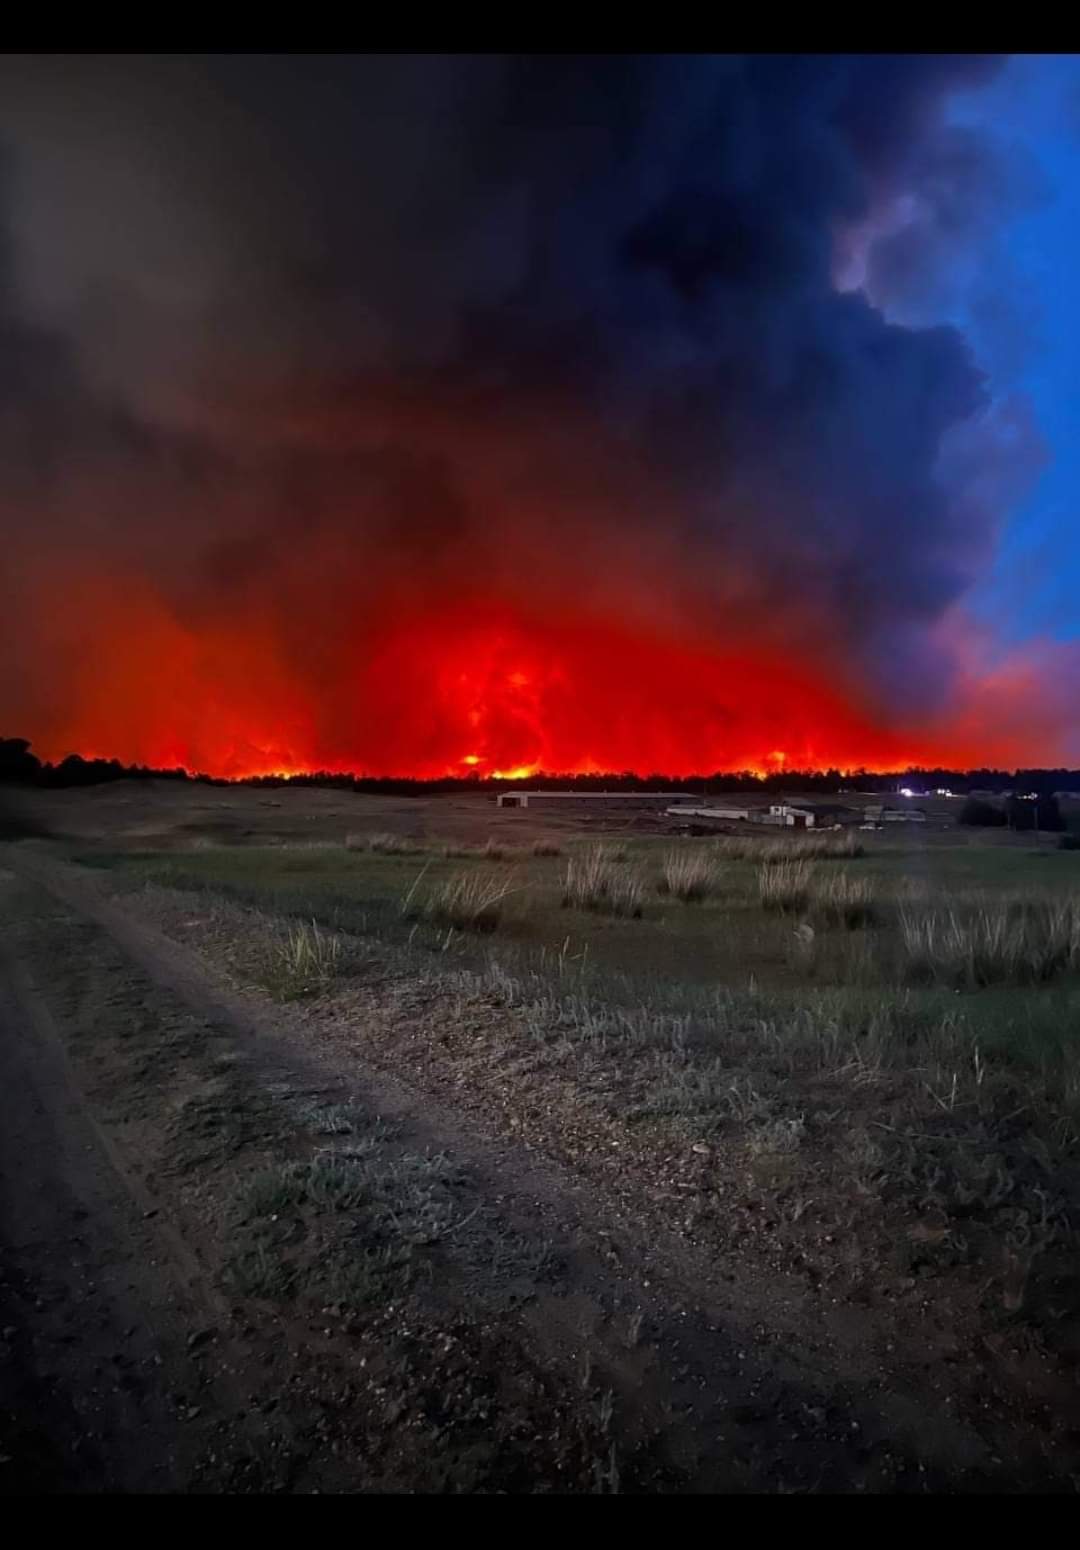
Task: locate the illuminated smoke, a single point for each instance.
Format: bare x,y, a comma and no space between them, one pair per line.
422,415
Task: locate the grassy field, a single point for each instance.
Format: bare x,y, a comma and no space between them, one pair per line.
703,911
877,1033
952,948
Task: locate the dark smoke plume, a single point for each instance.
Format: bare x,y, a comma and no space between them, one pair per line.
367,411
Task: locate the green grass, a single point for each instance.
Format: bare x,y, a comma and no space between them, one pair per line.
347,1222
304,960
726,938
915,1058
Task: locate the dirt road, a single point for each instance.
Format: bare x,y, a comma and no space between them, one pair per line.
181,1308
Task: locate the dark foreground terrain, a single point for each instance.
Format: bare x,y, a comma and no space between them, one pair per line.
387,1230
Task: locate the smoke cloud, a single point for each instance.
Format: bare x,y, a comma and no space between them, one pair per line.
428,413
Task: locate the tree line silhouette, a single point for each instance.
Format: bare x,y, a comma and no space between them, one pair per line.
19,764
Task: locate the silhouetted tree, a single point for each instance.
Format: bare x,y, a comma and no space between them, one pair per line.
1048,814
982,815
17,762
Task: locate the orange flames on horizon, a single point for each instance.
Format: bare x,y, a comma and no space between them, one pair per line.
459,691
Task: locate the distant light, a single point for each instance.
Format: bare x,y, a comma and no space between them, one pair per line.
906,791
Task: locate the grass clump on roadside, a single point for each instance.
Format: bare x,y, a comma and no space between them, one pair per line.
366,1212
785,886
304,961
546,848
596,882
688,874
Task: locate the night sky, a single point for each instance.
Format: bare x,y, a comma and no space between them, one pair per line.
423,414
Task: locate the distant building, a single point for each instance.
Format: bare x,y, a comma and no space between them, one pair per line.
730,814
878,812
791,817
594,798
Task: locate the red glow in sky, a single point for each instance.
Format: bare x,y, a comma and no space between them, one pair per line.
466,690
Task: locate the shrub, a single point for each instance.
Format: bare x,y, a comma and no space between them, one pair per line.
1069,842
546,848
1048,815
981,815
593,882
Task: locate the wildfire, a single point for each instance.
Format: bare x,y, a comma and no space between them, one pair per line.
523,693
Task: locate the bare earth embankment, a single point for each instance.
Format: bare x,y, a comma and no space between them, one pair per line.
309,1183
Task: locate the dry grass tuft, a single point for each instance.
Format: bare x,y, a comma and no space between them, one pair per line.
383,844
546,848
771,847
821,847
688,874
305,960
785,886
844,900
470,901
490,851
1014,942
596,882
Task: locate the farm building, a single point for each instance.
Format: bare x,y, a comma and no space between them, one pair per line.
728,814
593,798
787,816
878,812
